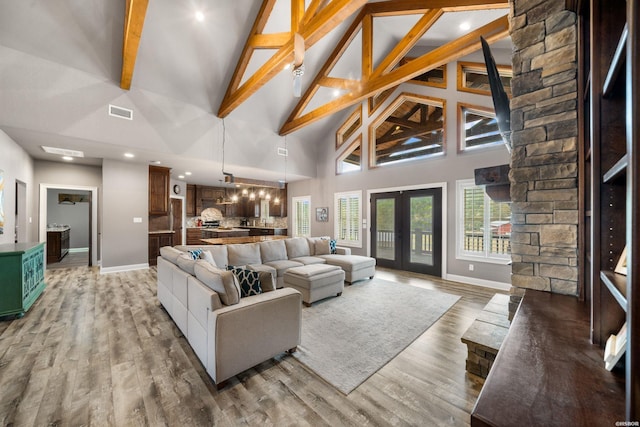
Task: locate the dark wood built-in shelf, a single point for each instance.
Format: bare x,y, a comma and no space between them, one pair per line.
616,64
617,285
617,170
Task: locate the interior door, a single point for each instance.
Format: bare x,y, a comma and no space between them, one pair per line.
406,232
176,209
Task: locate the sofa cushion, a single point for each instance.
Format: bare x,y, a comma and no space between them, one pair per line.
223,282
170,254
206,255
274,250
249,281
308,260
322,247
312,243
220,255
297,247
268,276
186,263
282,265
243,254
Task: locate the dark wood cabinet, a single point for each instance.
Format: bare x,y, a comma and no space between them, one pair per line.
611,161
193,236
191,200
159,180
57,245
208,197
259,231
156,241
279,208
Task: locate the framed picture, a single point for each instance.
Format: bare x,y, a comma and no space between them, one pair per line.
621,267
322,214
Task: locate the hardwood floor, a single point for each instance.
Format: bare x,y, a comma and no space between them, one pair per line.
99,350
72,259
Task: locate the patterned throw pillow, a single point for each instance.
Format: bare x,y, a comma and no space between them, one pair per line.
195,253
332,246
249,281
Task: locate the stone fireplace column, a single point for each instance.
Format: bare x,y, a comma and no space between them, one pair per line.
544,159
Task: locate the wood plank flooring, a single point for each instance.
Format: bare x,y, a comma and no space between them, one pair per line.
99,350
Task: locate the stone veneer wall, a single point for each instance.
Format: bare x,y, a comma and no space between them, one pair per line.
544,163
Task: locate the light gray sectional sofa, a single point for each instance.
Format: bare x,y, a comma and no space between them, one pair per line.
230,334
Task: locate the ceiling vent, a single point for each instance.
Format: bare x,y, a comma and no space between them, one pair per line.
63,151
121,112
283,152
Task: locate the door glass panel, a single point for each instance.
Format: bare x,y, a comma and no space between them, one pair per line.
421,226
385,229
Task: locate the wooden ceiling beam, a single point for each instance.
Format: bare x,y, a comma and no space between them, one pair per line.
320,25
406,7
367,47
297,14
313,9
269,41
258,26
135,12
337,83
408,41
449,52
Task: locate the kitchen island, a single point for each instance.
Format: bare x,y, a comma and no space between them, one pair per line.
245,239
57,243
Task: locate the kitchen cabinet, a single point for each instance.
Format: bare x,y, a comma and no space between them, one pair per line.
57,244
279,209
206,197
191,200
193,236
22,272
159,179
267,231
158,239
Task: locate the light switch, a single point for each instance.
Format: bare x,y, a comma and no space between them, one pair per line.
137,219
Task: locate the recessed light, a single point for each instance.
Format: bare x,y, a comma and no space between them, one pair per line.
187,173
465,26
287,66
181,176
156,162
199,16
129,155
67,158
336,93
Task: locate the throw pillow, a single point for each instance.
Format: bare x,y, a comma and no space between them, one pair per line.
332,246
206,255
195,253
249,281
322,247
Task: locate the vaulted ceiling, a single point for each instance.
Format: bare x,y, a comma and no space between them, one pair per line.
64,61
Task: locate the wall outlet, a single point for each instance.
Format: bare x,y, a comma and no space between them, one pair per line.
137,219
470,267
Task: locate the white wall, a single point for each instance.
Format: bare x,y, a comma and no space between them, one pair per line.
16,165
449,168
124,197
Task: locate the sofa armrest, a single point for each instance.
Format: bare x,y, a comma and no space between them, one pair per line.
252,331
341,250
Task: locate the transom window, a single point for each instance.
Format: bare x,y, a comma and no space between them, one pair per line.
478,127
411,128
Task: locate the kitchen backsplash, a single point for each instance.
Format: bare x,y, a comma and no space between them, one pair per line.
277,222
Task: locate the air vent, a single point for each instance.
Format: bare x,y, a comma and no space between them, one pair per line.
283,152
62,151
123,113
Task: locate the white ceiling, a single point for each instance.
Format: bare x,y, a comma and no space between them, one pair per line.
60,69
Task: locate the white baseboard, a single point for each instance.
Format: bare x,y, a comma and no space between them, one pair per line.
479,282
74,250
122,268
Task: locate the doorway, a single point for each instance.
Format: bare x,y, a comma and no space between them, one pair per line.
177,221
406,230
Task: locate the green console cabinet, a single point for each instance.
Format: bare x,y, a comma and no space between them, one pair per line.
21,276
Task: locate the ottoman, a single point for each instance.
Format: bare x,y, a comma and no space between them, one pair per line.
356,267
315,281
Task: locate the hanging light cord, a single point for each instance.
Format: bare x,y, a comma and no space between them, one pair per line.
224,132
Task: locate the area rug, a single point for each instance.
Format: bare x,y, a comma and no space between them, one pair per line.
347,339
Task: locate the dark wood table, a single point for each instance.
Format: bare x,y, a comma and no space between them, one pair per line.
243,239
548,373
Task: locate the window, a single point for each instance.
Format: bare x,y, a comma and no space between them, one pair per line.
348,217
351,159
301,218
484,226
472,77
477,128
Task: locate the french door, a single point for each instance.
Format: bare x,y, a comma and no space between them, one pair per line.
406,230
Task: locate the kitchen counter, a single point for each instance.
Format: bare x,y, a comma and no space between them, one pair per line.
265,231
162,232
58,228
244,239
